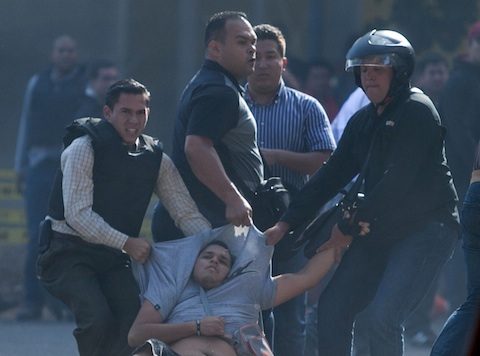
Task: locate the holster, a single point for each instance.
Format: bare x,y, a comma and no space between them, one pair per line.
45,235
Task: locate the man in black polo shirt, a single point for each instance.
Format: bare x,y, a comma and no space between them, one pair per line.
215,132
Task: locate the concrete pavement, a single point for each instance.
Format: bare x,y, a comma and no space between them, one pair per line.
53,338
40,338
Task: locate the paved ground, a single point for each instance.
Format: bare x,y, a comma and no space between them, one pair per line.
52,338
37,338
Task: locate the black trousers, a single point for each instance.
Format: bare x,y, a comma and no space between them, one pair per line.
97,284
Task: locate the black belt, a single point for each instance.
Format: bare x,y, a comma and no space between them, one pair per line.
79,240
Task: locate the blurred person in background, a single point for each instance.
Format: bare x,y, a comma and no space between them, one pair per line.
460,111
101,75
431,74
51,99
319,83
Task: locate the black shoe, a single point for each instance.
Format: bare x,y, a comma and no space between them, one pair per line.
28,314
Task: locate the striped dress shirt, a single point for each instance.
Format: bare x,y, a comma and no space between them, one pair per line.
293,121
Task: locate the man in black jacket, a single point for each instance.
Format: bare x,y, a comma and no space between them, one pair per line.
404,231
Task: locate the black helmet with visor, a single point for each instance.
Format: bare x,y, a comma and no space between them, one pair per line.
382,48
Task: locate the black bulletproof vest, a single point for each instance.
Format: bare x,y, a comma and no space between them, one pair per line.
123,180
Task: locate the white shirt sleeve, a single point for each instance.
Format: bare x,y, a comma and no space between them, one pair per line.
354,102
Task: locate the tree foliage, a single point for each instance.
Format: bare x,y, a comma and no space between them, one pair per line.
431,24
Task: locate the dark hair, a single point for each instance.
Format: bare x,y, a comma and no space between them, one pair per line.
269,32
63,37
127,86
225,246
215,29
430,58
94,67
322,63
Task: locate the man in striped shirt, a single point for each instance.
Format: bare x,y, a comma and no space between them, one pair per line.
295,138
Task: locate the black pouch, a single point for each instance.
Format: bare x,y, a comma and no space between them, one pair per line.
269,202
45,235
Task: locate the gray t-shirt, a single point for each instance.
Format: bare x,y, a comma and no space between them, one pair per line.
165,279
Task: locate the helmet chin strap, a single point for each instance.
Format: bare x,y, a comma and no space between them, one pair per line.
395,88
384,102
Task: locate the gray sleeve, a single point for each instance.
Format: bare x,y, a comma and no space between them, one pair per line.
22,146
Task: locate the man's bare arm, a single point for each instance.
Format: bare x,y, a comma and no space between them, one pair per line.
207,167
301,162
149,324
292,284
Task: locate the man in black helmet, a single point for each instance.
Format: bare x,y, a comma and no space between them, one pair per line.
404,230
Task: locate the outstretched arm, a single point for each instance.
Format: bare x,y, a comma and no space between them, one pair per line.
149,324
292,284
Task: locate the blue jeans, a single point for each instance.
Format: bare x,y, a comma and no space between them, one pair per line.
391,276
289,335
457,333
38,184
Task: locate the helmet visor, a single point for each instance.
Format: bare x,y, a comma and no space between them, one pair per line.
381,60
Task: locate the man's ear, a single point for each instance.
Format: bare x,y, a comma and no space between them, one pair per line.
285,62
107,112
213,49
